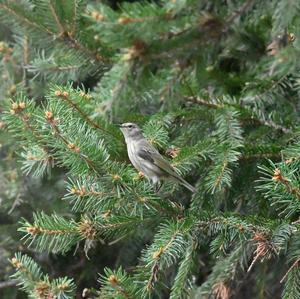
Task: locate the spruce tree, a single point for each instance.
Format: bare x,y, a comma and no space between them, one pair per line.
215,87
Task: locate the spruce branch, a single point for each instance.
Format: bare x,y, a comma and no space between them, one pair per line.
271,124
118,284
52,68
142,62
36,26
237,13
214,105
76,15
181,286
56,234
225,270
295,264
60,27
168,246
271,245
66,38
278,177
280,185
222,290
26,56
260,156
66,96
40,158
69,145
36,284
273,85
264,248
10,10
230,137
291,287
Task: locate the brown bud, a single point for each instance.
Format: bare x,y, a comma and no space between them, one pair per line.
14,106
113,280
116,177
33,230
158,253
85,95
42,289
14,260
136,51
107,214
16,263
259,237
49,115
74,148
82,191
143,199
277,175
22,105
57,93
71,146
97,16
73,190
63,286
87,229
17,107
77,150
124,20
65,94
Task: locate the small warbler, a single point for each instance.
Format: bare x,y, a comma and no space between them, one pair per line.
146,158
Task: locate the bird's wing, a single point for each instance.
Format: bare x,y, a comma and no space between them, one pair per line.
150,154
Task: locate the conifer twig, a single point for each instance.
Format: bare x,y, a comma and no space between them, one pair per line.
63,36
57,20
86,117
278,177
260,156
25,20
71,146
290,269
72,33
19,111
268,123
237,13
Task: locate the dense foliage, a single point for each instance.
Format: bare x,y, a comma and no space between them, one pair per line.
215,86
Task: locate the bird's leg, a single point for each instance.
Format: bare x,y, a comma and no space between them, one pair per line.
156,183
158,186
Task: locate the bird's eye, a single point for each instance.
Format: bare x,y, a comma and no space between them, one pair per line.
130,126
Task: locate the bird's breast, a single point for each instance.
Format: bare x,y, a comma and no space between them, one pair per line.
132,154
145,166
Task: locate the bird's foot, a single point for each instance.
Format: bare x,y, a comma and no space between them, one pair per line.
158,186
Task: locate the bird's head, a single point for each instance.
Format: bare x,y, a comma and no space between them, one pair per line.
131,131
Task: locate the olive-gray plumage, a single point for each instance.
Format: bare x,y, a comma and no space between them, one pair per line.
147,159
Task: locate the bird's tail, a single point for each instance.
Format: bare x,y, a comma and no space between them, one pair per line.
187,185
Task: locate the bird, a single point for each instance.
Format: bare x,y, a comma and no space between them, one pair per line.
147,159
